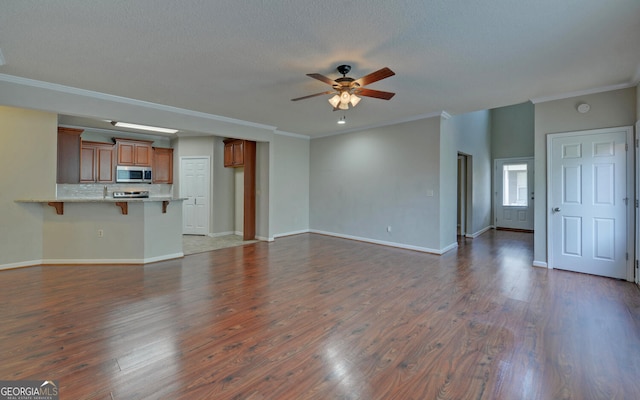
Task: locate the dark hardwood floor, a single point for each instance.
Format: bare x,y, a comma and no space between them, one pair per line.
316,317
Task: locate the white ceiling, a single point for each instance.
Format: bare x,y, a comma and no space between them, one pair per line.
246,59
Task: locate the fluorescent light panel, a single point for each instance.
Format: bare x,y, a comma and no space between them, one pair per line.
143,127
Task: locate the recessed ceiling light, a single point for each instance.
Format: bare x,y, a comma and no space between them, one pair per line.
143,127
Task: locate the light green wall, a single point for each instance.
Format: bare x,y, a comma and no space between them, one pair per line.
608,109
512,131
28,165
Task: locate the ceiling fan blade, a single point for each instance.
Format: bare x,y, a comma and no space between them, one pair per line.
378,94
375,76
313,95
322,78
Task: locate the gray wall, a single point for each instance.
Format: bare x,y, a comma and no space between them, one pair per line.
471,133
608,109
28,163
290,199
512,131
363,182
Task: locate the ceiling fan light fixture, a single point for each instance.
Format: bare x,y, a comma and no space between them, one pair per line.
345,97
343,106
342,120
334,101
355,100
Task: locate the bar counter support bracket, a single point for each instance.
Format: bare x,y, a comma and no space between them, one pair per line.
124,206
58,205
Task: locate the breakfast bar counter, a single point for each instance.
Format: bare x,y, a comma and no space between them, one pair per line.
90,230
122,202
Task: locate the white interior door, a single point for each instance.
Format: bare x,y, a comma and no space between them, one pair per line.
588,196
194,186
514,193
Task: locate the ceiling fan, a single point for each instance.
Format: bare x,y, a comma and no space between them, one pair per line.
346,90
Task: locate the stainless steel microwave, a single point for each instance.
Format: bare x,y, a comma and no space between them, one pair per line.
133,174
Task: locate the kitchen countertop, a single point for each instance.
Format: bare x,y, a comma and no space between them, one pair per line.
123,203
100,199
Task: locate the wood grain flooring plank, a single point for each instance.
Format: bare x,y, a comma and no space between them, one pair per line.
317,317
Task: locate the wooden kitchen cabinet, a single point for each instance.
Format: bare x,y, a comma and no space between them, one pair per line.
68,165
234,153
242,153
96,162
134,152
162,165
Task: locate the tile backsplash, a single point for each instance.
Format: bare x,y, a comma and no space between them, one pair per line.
93,190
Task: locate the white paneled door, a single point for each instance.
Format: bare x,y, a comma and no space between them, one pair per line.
514,193
589,202
194,187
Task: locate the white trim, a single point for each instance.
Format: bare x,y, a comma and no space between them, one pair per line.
478,233
541,264
125,100
264,239
107,261
383,124
279,235
22,264
295,135
385,243
586,92
630,185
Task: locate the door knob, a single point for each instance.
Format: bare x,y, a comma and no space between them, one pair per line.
556,209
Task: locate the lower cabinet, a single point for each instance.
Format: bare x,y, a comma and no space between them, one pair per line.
97,162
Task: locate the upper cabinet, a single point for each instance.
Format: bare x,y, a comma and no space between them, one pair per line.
68,155
162,165
234,153
134,152
96,162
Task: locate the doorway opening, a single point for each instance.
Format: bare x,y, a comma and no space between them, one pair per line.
463,228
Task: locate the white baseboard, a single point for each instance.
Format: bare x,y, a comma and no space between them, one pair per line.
480,232
22,264
542,264
102,261
279,235
386,243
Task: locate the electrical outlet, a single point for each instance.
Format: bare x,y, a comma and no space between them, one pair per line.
100,233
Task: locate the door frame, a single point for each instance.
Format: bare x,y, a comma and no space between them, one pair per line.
631,227
530,182
637,210
461,229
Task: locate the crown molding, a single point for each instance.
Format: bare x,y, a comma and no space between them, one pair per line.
295,135
579,93
127,101
387,123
